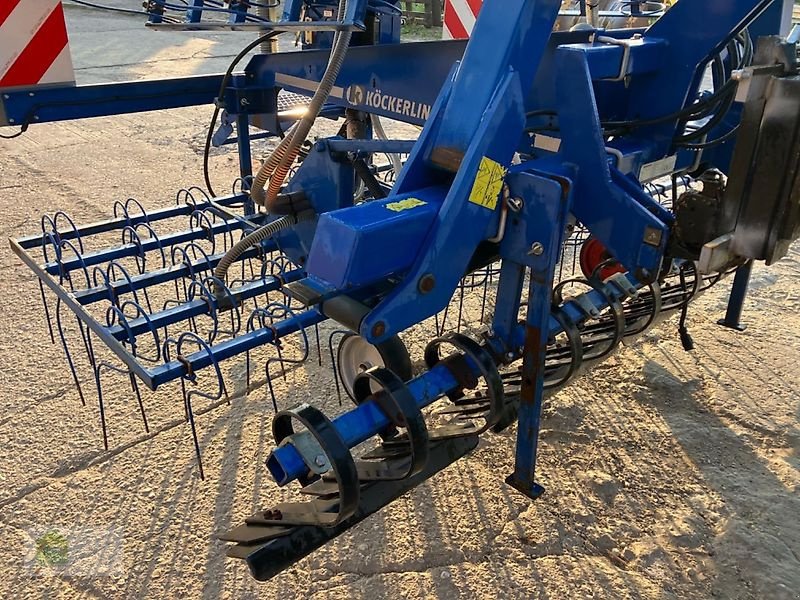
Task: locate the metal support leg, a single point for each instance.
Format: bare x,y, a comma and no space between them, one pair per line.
537,335
741,282
245,159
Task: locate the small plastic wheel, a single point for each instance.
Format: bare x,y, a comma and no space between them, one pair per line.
355,355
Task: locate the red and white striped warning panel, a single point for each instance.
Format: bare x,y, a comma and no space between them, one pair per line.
459,18
34,48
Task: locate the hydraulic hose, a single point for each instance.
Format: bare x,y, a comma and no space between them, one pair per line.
248,241
279,163
277,166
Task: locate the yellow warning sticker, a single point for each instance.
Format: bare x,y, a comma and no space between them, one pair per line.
406,204
488,183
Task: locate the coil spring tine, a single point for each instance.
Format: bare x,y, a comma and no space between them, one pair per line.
141,313
211,301
153,235
273,311
141,208
72,225
121,209
112,270
184,338
199,219
211,282
114,314
67,353
47,317
227,235
187,197
66,244
141,259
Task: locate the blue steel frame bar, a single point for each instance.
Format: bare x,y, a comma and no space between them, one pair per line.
24,106
150,278
199,307
148,245
35,241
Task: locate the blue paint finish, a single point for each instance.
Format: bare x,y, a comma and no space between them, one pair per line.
618,220
365,244
361,423
45,104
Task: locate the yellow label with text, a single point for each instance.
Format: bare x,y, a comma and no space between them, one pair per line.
488,183
406,204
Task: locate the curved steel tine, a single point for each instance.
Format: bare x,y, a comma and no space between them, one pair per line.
141,259
67,354
72,225
138,205
341,333
274,311
460,307
319,348
214,282
52,236
211,301
486,282
47,318
153,235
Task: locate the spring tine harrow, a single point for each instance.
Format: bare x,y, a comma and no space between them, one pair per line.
552,209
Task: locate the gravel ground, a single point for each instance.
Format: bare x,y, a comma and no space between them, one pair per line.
668,474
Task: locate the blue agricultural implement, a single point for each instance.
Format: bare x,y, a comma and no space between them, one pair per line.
576,186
